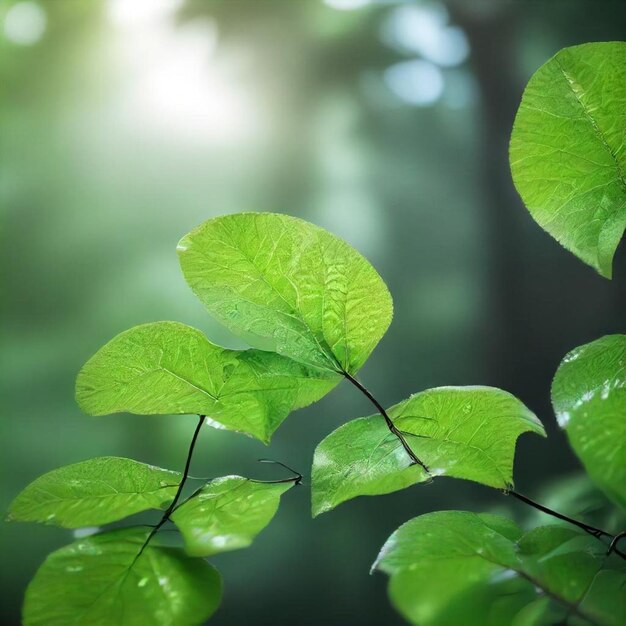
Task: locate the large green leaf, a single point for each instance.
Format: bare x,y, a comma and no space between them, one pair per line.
462,432
442,566
94,492
167,367
568,150
589,399
451,564
288,286
101,581
227,513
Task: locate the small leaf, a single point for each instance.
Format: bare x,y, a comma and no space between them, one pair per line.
167,367
443,565
568,150
589,399
94,492
102,581
462,432
288,286
227,514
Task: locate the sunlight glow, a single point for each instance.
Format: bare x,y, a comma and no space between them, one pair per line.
133,12
25,23
178,87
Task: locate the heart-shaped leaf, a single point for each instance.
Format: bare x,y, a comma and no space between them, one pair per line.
227,514
94,492
589,399
167,367
288,286
462,432
104,580
568,150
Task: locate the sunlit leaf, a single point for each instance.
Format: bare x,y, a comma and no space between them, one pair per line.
452,563
360,458
101,581
227,514
589,399
568,150
288,286
94,492
167,367
462,432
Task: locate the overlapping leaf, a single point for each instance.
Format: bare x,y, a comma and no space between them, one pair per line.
459,567
589,399
462,432
94,492
227,514
102,580
568,150
167,367
288,286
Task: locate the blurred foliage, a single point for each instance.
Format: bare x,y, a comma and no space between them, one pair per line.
112,148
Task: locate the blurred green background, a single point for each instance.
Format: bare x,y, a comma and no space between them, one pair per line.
125,123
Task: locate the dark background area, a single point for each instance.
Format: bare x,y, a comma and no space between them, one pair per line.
125,123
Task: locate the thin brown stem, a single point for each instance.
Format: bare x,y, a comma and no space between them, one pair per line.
598,533
179,491
390,425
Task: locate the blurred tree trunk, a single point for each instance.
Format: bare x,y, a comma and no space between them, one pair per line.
492,37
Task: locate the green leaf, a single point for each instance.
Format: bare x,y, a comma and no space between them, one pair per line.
447,564
360,458
94,492
102,581
560,560
227,514
540,612
605,598
462,432
170,368
453,564
288,286
568,150
589,399
476,601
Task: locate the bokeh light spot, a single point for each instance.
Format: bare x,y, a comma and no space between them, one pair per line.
425,30
346,5
416,82
25,23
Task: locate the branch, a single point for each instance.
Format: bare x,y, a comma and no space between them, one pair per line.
598,533
172,506
390,425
